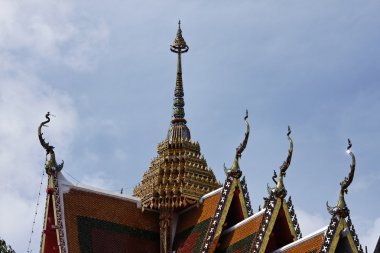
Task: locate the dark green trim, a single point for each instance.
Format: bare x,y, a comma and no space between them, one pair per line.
86,224
200,227
244,243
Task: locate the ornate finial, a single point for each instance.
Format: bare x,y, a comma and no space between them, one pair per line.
341,209
179,130
348,180
286,163
235,170
280,188
51,164
179,46
240,149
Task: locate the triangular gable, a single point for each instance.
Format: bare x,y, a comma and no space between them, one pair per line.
238,237
230,210
193,223
278,227
377,249
341,237
53,236
247,199
292,218
310,243
49,234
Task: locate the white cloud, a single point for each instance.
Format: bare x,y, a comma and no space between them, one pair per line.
365,182
371,236
48,30
310,222
98,180
23,104
34,33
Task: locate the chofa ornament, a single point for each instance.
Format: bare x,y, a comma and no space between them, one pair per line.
235,169
51,163
341,208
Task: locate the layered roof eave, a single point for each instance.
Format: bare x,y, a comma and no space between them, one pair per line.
66,185
207,195
302,240
243,222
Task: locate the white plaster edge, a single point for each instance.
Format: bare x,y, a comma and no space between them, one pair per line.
243,222
210,194
68,185
309,236
207,195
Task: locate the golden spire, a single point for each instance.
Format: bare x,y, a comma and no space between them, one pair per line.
341,209
179,175
179,131
179,46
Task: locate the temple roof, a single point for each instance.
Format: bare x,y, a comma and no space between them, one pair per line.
180,206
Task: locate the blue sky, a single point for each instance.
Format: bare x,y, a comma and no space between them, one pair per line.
106,72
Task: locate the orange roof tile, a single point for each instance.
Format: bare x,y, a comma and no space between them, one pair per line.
89,214
310,243
193,223
195,215
241,230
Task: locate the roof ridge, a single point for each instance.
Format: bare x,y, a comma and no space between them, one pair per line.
241,223
309,236
67,185
207,195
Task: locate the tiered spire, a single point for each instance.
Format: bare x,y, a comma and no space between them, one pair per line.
179,175
178,130
179,46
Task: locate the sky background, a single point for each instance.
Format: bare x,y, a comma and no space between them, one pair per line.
105,70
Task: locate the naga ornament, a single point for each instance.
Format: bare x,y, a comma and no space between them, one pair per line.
341,209
235,169
51,164
280,190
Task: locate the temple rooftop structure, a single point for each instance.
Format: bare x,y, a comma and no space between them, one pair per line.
179,205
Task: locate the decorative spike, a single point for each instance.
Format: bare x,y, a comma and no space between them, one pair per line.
179,46
235,169
51,164
280,188
348,180
243,145
341,208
